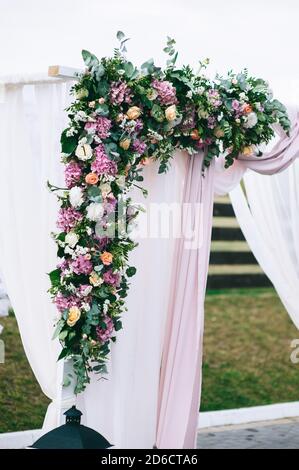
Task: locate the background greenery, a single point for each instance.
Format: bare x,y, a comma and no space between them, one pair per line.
246,359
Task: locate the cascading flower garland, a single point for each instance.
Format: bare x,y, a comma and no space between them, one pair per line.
122,118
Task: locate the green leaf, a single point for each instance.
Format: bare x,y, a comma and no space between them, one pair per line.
55,277
102,109
129,69
120,35
63,334
94,194
63,354
68,144
59,326
131,271
89,58
98,71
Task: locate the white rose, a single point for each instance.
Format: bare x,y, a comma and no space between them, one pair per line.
84,152
105,189
76,196
95,211
251,121
71,239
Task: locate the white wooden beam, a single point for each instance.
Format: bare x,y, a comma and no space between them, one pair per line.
61,71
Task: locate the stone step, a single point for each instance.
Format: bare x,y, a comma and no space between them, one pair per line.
227,233
224,246
232,257
228,281
223,210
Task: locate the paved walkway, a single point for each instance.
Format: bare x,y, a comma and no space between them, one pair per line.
279,434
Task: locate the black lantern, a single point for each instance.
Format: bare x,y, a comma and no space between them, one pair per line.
72,435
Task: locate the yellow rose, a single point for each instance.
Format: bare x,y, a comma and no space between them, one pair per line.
133,112
247,151
218,132
125,144
170,112
73,316
95,279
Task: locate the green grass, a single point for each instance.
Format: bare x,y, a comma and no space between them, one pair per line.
22,404
247,350
246,359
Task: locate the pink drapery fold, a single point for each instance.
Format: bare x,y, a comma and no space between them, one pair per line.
180,378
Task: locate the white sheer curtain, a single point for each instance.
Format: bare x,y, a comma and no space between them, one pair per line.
269,219
30,119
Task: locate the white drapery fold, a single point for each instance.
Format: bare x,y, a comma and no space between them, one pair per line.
269,218
30,120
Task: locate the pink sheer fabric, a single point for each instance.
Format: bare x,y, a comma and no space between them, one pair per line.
180,379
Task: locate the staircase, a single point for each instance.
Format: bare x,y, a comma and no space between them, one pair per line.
232,264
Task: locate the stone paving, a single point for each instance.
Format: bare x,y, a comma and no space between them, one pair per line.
278,434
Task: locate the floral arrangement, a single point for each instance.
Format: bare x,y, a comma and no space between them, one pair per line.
123,118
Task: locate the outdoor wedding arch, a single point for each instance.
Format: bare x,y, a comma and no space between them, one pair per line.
125,126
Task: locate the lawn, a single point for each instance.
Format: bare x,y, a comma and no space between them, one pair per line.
246,359
247,350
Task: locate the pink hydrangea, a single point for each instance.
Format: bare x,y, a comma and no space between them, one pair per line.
72,173
166,92
83,290
112,278
63,303
211,122
68,218
139,146
102,165
104,334
214,98
120,92
103,127
81,265
90,126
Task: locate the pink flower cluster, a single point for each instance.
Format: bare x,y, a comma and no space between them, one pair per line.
166,92
104,334
102,127
68,218
102,165
81,265
120,92
112,279
139,146
72,173
64,303
214,98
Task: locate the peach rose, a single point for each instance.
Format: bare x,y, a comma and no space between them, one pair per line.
133,112
170,112
95,280
195,134
247,151
125,144
247,108
73,316
218,132
91,178
106,258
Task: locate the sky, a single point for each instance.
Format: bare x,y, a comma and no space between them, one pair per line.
258,34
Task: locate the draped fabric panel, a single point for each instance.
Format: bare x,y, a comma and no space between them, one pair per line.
31,118
269,218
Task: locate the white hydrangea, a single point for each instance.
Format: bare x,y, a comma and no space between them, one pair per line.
251,121
76,196
71,239
95,211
